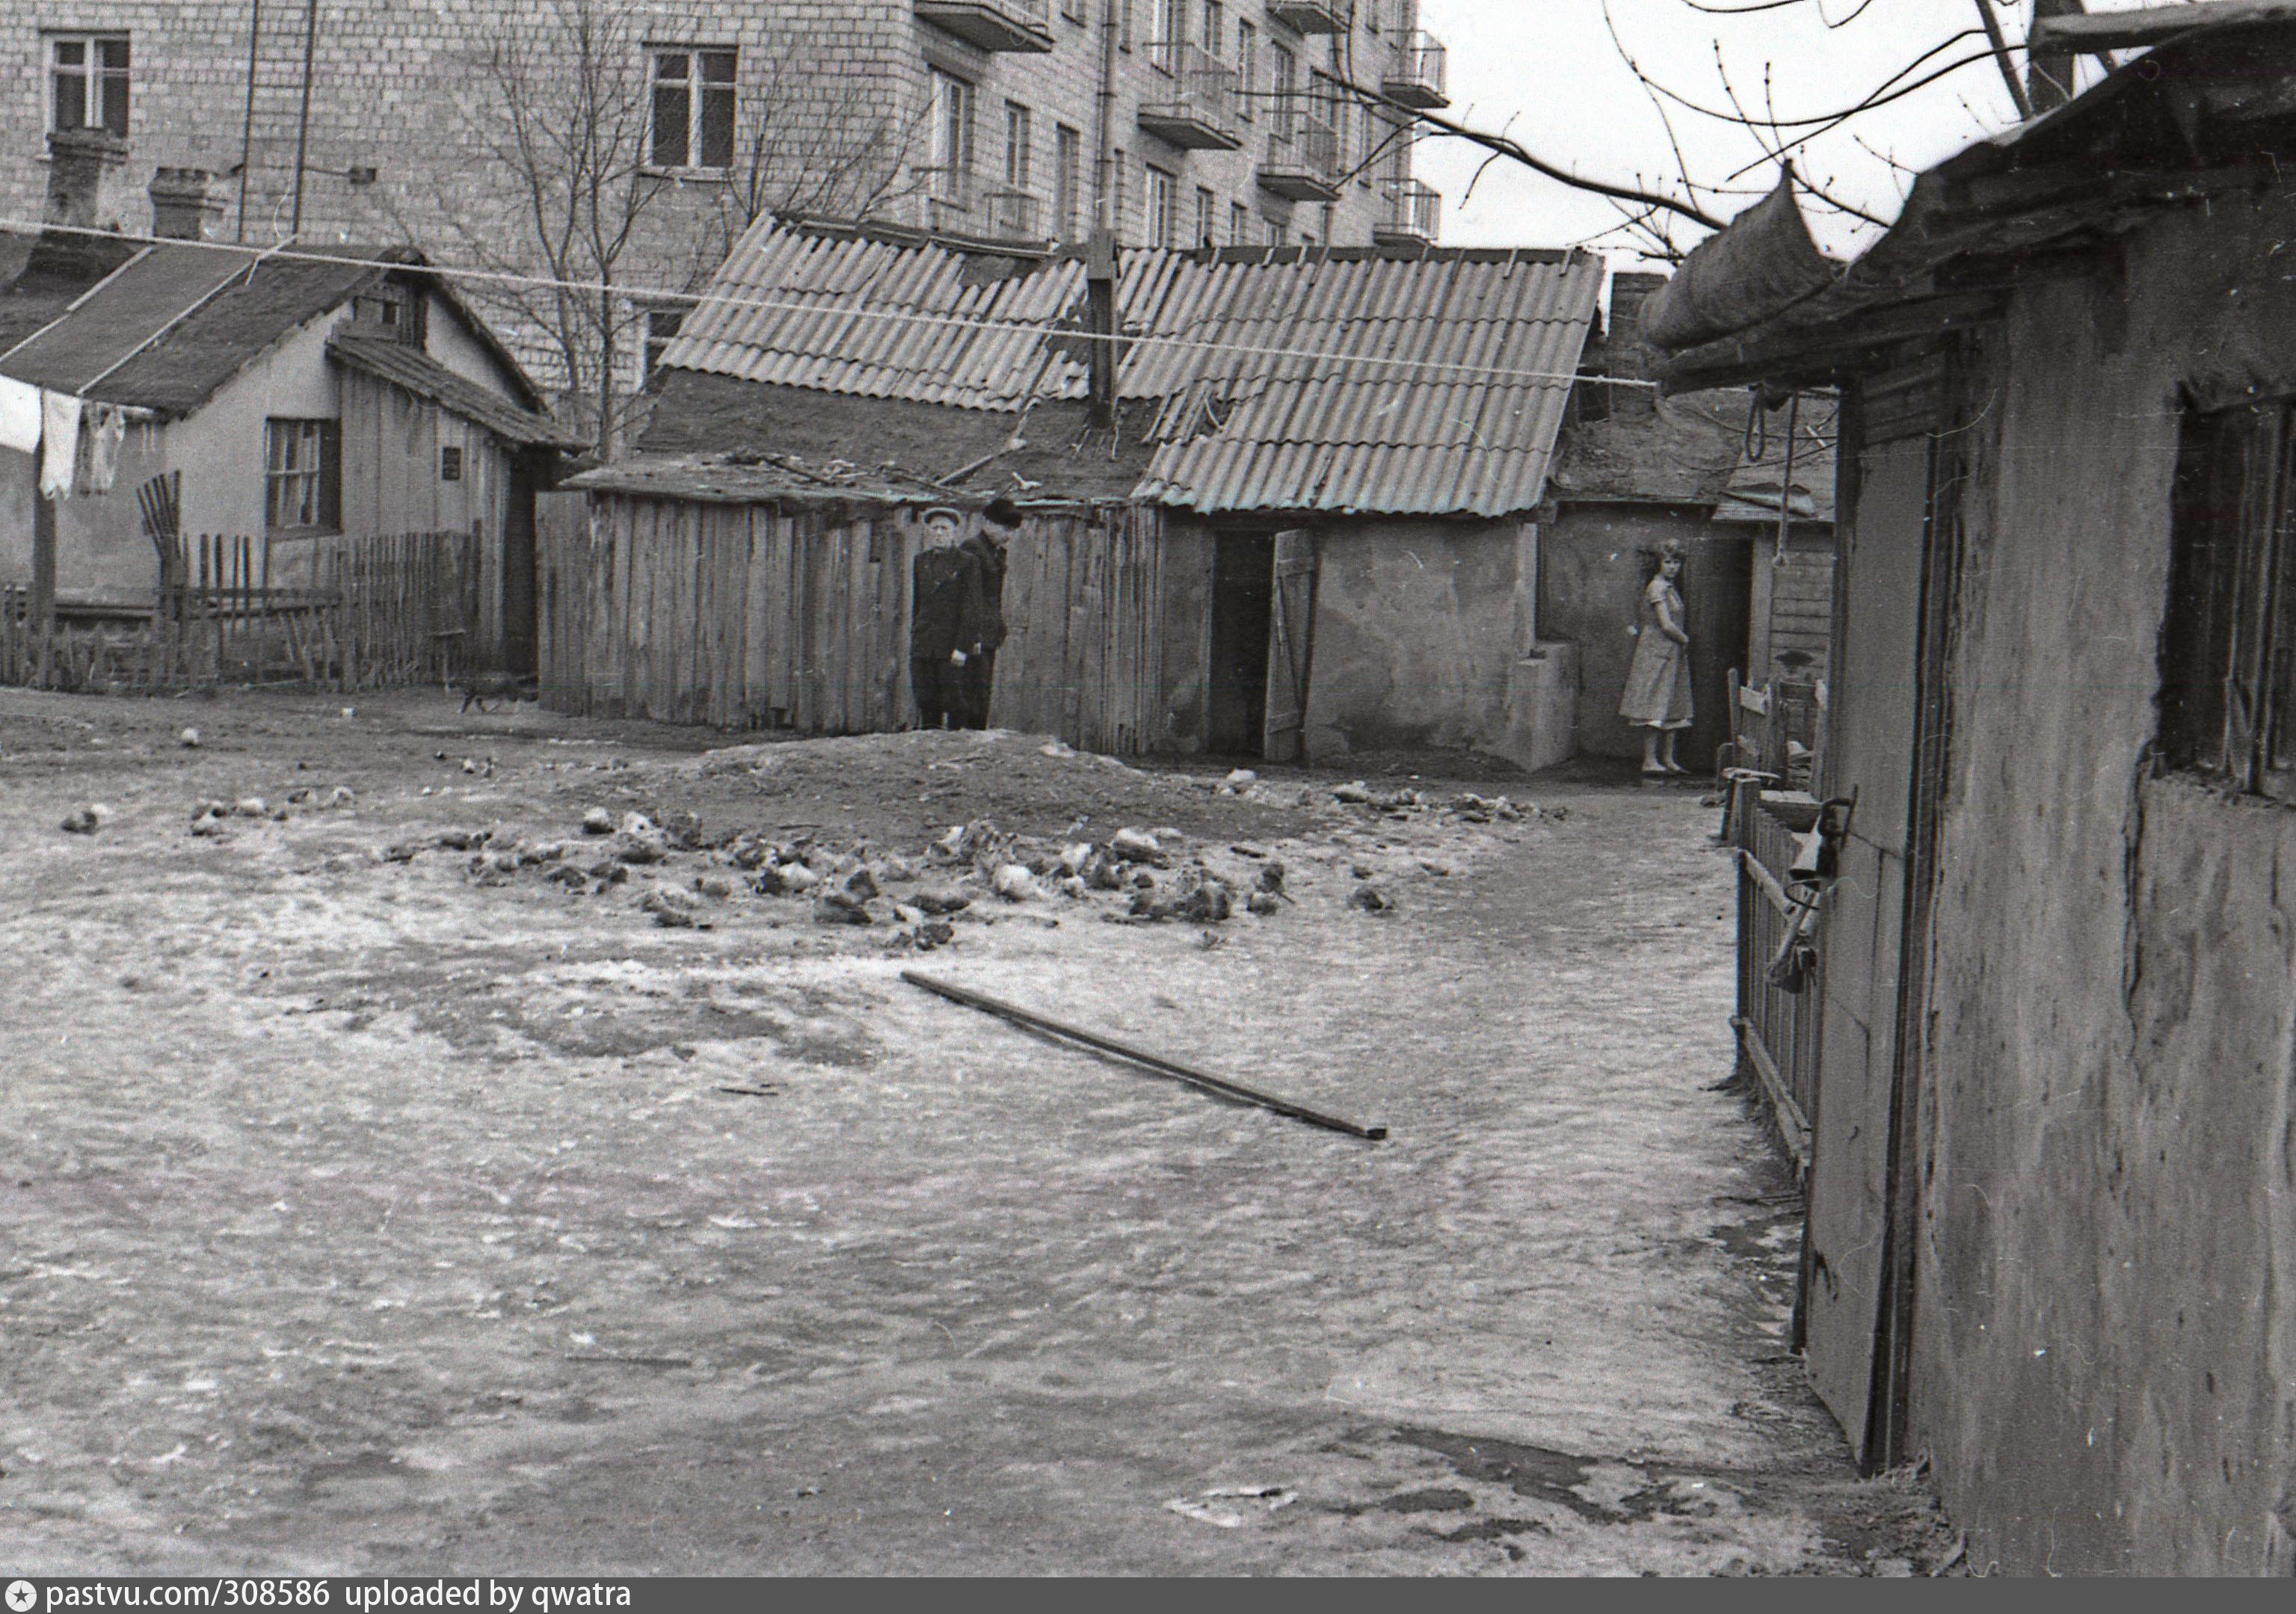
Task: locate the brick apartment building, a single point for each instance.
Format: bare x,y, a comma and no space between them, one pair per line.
465,125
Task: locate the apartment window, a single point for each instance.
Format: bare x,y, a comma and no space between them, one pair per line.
1206,219
2228,656
1211,25
1116,198
1246,63
1123,24
1283,89
303,475
450,462
693,109
661,327
1067,182
1019,143
1271,232
1159,220
952,150
1073,10
87,82
1171,29
1239,224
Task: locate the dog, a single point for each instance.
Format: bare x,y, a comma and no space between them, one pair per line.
483,687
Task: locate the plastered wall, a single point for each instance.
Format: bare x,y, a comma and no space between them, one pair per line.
2105,1332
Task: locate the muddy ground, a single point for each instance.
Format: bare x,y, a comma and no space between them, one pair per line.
375,1215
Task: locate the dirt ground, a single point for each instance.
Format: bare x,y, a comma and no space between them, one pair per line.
362,1211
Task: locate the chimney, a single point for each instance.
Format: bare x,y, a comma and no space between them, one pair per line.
82,194
183,204
1629,355
82,186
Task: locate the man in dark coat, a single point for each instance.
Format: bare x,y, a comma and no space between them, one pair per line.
982,628
941,614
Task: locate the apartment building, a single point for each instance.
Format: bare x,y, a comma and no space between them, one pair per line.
475,128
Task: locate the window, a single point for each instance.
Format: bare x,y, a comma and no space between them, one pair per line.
1116,200
1073,10
1123,24
1171,29
303,481
1159,220
1211,25
952,132
1206,219
1067,182
693,109
1239,224
1272,234
2228,655
1283,90
87,82
661,325
450,464
1247,63
1019,137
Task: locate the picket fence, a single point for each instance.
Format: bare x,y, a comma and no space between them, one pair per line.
391,611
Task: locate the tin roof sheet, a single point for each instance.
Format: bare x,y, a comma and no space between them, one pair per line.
1346,380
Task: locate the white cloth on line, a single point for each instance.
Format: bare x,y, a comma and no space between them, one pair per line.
60,444
100,429
19,415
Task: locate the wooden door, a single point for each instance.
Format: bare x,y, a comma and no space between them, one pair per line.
1880,570
562,590
1290,646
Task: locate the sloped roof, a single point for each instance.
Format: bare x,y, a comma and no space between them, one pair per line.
1682,452
175,323
411,370
2204,114
1348,381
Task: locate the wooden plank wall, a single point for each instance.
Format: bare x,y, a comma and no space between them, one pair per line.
764,616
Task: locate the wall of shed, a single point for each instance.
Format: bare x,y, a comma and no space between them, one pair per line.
797,615
1417,632
2105,1340
1789,631
1592,572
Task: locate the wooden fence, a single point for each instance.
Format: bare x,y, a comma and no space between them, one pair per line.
387,612
797,616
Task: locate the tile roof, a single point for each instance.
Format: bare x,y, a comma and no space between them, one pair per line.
1349,381
411,370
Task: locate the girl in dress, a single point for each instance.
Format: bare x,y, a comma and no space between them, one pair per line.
1656,698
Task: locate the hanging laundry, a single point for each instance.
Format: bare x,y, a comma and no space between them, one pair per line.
101,428
20,416
59,443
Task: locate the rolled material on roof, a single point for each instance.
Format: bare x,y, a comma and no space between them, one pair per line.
1762,264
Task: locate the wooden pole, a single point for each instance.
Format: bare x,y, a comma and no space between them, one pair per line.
1156,1062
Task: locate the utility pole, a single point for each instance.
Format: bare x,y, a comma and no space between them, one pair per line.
303,122
2049,80
247,128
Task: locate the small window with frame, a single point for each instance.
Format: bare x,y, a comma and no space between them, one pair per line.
87,82
450,462
2227,695
692,108
303,475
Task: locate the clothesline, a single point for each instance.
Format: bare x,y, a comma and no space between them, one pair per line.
76,441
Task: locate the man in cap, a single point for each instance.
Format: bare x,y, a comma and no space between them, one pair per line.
982,627
939,615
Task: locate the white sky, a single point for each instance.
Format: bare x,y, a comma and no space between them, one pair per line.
1547,72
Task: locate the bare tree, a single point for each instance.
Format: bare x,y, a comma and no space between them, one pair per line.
591,234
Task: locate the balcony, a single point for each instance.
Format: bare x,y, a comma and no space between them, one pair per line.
1015,216
1193,104
949,195
994,25
1303,165
1411,215
1419,76
1314,16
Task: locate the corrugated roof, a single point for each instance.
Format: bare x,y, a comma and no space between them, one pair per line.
411,370
1349,381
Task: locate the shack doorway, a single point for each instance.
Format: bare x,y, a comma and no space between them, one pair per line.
1243,615
519,574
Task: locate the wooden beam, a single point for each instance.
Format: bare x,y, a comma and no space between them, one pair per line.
2129,30
1765,882
1793,1126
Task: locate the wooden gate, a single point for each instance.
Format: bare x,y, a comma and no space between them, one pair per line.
1290,646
